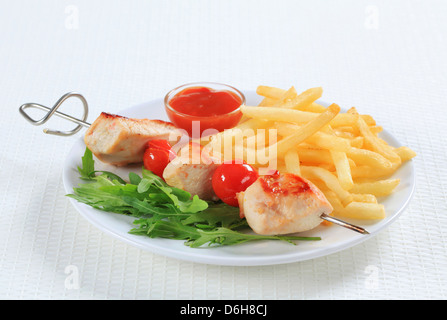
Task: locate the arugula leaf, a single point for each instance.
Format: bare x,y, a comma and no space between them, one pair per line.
178,197
111,175
146,208
88,165
134,178
219,214
87,171
196,237
155,180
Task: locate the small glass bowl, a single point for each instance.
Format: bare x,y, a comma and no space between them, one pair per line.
198,126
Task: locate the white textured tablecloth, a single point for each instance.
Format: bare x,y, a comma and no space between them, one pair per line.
387,58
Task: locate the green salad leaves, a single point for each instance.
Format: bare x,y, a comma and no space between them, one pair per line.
162,211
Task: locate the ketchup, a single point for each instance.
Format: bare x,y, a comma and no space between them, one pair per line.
214,109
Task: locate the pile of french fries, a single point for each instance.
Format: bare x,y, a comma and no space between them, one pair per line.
340,152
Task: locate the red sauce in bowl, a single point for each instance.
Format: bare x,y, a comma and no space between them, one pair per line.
208,107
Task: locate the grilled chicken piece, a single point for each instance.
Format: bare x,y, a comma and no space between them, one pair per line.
120,141
283,204
192,170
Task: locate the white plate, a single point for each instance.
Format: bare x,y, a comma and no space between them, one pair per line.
334,238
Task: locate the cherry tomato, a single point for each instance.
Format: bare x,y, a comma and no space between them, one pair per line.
159,144
157,156
231,178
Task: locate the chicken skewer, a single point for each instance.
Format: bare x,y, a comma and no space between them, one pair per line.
114,151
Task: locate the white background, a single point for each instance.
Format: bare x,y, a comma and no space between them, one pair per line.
387,58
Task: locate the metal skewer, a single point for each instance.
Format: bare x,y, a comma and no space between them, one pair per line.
344,224
53,111
82,123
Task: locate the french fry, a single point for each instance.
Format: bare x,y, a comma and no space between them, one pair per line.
376,145
270,92
378,188
358,209
364,197
304,99
361,171
376,129
329,142
327,166
251,124
320,139
405,153
347,119
343,169
285,129
369,158
296,116
248,146
351,163
292,161
353,110
350,131
313,107
332,198
282,168
323,187
357,142
278,114
279,149
362,210
267,102
314,156
330,180
246,128
344,133
307,130
286,97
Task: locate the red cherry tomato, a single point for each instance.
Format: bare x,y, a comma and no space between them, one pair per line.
157,156
159,144
231,178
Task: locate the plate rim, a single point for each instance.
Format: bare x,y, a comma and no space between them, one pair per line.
196,255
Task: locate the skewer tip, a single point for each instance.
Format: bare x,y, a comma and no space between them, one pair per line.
344,224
